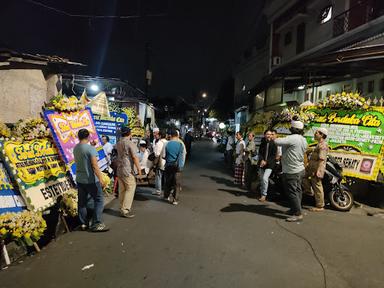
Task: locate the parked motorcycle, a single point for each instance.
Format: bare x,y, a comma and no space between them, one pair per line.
335,191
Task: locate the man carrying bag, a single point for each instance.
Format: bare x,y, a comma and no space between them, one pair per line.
174,154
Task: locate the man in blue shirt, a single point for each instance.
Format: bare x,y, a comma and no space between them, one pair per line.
174,154
89,182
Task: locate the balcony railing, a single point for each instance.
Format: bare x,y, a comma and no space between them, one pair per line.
364,12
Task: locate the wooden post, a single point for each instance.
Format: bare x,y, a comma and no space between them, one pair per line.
37,248
5,253
65,222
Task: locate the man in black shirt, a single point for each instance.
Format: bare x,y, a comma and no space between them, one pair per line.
267,161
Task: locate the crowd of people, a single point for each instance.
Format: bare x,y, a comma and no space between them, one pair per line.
164,153
302,168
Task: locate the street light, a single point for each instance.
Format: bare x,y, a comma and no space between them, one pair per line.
204,95
205,110
94,87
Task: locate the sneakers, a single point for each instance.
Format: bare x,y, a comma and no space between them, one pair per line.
157,193
99,227
297,218
175,202
83,227
127,215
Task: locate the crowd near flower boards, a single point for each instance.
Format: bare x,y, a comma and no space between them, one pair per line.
356,131
37,166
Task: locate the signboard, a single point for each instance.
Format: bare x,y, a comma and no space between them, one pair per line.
64,127
10,199
355,138
109,125
38,170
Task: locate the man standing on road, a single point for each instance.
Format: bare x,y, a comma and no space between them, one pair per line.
89,182
267,161
188,139
250,152
292,161
229,148
159,162
126,158
239,161
174,154
314,172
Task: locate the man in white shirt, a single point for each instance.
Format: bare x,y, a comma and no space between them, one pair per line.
292,160
239,161
108,148
158,148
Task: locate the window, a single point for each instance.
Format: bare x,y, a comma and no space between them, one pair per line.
326,15
320,96
360,87
371,86
382,84
287,38
300,40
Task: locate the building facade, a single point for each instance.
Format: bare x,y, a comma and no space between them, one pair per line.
315,48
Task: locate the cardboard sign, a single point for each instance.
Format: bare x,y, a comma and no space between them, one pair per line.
10,199
65,126
355,139
36,167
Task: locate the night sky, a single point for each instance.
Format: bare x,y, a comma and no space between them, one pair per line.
194,45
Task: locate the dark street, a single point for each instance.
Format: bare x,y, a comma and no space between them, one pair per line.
216,237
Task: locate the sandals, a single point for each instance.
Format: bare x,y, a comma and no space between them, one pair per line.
316,209
100,227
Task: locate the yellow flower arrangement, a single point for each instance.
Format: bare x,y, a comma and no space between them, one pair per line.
344,100
26,227
31,129
68,203
4,130
66,104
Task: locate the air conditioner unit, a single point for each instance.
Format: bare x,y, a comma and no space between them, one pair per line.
276,61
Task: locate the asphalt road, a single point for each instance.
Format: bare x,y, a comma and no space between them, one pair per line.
216,237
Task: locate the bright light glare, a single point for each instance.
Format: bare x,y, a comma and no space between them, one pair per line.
301,87
205,110
95,87
221,125
204,95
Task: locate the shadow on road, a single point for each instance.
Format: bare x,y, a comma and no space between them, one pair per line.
220,180
240,193
258,209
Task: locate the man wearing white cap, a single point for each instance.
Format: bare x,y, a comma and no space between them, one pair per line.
292,161
143,157
315,170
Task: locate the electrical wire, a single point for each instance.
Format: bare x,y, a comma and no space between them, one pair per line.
311,246
88,16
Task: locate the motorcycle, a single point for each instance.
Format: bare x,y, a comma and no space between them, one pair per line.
336,193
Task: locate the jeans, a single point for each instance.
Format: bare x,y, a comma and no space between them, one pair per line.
172,182
127,188
264,180
96,192
158,179
292,187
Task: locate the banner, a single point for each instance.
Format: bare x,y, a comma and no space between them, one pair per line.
355,139
109,125
37,168
64,127
10,199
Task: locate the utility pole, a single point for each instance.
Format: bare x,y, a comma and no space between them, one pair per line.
148,72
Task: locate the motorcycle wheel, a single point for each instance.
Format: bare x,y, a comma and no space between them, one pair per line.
341,200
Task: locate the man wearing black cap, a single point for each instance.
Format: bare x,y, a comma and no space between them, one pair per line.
126,158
